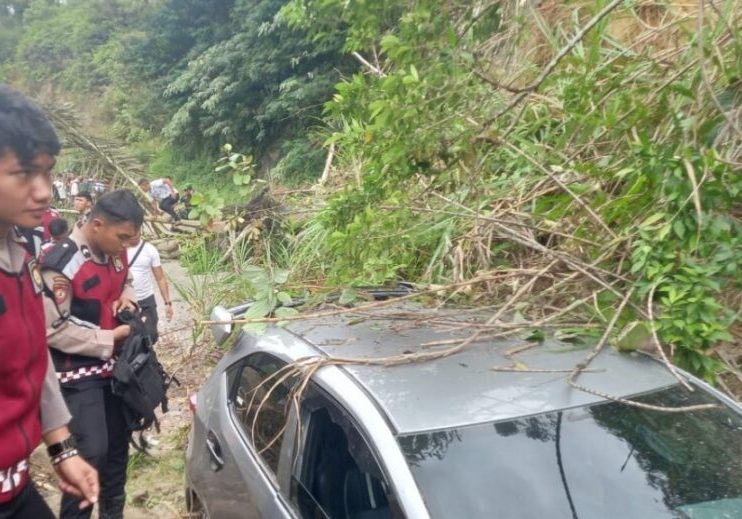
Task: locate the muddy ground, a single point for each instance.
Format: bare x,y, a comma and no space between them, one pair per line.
155,486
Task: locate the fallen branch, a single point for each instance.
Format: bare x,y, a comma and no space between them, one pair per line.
554,62
582,366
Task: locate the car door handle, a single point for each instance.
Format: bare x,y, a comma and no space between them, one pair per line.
215,451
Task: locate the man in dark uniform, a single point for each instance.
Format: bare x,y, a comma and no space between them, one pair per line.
91,283
31,406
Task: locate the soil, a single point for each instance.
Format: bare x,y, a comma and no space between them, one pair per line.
155,484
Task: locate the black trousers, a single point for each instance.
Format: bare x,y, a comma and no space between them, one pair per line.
100,429
27,505
168,205
148,308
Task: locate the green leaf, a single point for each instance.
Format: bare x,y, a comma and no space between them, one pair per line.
255,328
413,72
280,276
255,274
284,311
633,336
679,229
348,296
536,336
284,298
656,217
258,309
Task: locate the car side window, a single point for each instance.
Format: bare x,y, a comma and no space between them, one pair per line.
261,401
339,477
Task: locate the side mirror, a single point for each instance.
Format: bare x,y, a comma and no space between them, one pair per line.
223,330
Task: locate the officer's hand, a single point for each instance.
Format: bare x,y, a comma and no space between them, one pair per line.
121,332
78,478
123,304
169,312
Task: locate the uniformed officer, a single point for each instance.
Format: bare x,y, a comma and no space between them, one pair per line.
31,406
91,283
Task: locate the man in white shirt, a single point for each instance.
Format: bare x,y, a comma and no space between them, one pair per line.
61,189
163,193
144,262
74,187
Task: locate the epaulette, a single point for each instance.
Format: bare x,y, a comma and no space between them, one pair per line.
59,256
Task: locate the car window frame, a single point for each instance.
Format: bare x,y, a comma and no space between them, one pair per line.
276,478
302,428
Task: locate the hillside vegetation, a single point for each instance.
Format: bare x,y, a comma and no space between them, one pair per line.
570,164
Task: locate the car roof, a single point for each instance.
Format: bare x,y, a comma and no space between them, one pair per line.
470,387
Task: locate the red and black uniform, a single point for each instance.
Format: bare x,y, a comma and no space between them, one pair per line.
80,324
93,288
23,367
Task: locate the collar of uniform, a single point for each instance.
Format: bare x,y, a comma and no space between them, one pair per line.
78,237
16,236
12,251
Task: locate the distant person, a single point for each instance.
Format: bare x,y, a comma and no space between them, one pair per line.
86,185
164,194
144,263
185,200
83,203
74,188
61,188
59,230
50,215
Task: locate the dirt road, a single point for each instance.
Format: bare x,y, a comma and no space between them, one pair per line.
155,486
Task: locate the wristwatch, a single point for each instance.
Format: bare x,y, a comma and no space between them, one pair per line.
55,449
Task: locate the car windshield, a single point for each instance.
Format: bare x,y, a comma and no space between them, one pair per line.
608,460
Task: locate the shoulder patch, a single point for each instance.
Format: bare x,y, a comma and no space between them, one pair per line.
34,272
60,288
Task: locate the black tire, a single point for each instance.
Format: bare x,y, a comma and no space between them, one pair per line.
194,507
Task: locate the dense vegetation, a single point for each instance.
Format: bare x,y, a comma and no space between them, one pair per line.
551,158
179,77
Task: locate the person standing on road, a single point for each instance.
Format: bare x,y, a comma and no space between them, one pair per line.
31,405
144,263
91,285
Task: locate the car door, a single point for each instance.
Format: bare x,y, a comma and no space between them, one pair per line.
336,474
244,441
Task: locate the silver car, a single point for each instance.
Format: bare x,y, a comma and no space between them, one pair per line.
485,433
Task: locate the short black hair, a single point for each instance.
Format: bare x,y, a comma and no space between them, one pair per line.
58,227
143,181
24,127
118,207
86,195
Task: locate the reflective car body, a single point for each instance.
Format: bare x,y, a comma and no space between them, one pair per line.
280,431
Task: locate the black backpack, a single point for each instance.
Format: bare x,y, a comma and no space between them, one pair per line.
139,379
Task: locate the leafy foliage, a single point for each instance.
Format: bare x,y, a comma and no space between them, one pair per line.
645,145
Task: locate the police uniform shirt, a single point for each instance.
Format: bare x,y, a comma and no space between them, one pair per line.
71,335
54,413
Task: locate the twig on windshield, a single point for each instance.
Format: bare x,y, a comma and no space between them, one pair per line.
516,369
582,366
670,367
